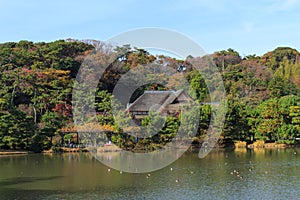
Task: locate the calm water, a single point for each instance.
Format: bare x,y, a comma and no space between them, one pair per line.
245,174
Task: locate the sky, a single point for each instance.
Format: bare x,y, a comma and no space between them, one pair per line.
249,27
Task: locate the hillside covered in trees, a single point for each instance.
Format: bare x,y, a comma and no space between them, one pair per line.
36,82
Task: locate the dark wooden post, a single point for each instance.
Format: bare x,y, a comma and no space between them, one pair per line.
62,137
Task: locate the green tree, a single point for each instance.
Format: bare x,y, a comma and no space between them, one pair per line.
270,120
152,123
103,101
236,124
168,132
16,130
295,117
52,123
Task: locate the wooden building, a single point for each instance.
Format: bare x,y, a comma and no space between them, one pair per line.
165,102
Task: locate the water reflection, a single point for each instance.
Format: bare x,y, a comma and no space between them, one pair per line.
223,174
139,162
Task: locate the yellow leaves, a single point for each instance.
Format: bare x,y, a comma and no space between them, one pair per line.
88,127
2,101
57,72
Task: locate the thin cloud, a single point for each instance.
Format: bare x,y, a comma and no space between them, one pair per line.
205,5
283,5
249,27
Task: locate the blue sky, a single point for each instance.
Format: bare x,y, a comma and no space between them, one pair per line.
250,27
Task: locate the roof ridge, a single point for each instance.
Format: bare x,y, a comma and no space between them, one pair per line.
158,91
171,97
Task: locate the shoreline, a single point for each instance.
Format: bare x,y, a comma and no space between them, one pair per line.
85,150
14,152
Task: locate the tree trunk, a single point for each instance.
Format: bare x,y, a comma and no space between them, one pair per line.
34,111
12,95
62,138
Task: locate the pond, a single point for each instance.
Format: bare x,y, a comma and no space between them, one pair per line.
223,174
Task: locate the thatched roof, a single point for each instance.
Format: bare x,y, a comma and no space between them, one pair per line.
153,99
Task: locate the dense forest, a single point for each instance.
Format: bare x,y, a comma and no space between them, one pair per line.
36,82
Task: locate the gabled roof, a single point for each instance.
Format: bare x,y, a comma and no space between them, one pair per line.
154,98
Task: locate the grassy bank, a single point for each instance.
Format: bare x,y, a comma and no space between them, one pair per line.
11,152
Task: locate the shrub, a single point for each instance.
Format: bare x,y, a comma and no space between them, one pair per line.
240,144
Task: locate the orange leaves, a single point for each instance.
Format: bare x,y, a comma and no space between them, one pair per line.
48,73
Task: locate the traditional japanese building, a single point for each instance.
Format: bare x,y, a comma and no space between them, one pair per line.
165,102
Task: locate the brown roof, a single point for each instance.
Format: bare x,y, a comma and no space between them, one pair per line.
151,99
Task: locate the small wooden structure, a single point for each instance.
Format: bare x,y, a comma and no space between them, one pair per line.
86,131
165,102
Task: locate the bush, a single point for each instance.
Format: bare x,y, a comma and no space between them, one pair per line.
259,144
240,144
56,149
289,142
37,143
